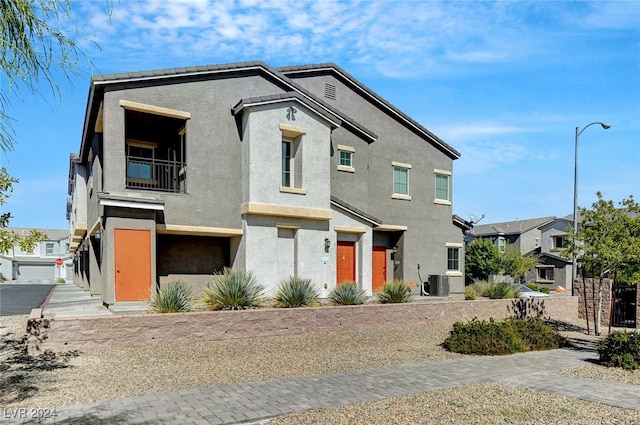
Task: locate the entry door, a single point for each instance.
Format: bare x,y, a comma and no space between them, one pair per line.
133,264
346,262
379,267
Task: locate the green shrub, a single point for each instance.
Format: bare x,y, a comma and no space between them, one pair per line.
532,286
620,349
545,290
234,290
501,290
348,293
470,293
296,292
479,287
506,337
176,296
395,291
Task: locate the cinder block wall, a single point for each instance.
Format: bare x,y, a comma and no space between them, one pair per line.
588,300
134,329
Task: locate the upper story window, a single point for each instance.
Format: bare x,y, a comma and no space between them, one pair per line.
287,165
401,180
502,244
49,248
345,159
560,242
442,185
155,147
291,157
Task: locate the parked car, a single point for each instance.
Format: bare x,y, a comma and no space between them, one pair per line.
526,292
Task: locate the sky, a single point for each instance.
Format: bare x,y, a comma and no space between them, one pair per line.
504,83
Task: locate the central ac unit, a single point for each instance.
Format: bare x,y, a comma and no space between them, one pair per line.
438,285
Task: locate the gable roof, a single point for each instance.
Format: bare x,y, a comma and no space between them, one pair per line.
345,77
99,82
516,227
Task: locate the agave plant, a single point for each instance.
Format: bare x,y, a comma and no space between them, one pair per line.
348,293
296,292
234,290
395,291
176,296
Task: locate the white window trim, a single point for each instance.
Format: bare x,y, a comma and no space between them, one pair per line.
437,201
458,246
401,196
346,168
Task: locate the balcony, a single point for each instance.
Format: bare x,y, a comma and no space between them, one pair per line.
156,174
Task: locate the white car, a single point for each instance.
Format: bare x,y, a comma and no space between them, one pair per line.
526,292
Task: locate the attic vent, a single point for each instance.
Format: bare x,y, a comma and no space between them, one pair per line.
330,91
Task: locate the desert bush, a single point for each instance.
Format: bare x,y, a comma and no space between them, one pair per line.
500,291
479,287
296,292
545,290
620,349
506,337
348,293
176,296
234,290
470,293
395,291
532,286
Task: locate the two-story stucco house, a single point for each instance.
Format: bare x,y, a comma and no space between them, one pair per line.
47,261
545,237
281,171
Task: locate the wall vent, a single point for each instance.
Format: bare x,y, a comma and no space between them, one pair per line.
330,91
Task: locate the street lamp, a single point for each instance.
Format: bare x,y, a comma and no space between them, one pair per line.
574,269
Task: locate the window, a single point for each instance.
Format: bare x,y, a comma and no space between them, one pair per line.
453,259
155,147
559,242
502,243
545,273
49,249
345,158
286,164
401,181
442,187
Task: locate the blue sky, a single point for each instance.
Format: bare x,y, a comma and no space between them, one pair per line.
505,83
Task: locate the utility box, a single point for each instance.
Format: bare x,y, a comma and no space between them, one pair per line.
438,285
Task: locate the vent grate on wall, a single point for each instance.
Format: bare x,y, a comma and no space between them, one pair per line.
330,91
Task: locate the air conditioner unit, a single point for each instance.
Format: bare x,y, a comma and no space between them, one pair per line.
438,285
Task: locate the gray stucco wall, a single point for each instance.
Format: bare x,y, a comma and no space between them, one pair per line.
370,188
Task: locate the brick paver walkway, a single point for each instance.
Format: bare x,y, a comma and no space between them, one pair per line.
256,401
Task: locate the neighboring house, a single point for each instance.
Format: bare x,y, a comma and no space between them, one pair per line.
545,237
40,263
281,171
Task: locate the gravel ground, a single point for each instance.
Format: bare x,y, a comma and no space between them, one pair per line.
115,372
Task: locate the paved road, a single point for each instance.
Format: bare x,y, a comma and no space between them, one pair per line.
20,298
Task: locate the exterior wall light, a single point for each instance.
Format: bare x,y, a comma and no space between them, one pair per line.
327,244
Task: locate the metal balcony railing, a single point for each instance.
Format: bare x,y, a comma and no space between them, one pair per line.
156,174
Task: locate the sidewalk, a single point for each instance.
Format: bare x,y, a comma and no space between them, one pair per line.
258,401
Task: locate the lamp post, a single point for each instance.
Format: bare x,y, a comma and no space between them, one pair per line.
574,269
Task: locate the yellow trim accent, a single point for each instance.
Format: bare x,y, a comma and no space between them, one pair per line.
294,190
348,229
255,208
178,229
390,228
400,164
399,196
292,131
441,202
443,172
96,226
346,168
157,110
346,148
79,230
453,245
292,226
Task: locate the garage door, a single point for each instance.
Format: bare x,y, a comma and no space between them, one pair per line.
29,271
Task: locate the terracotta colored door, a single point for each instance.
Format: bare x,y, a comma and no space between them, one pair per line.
133,264
379,267
346,262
